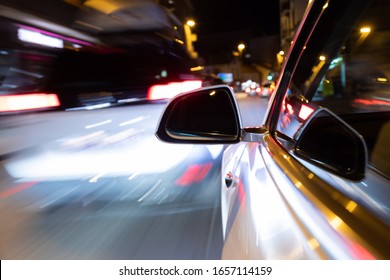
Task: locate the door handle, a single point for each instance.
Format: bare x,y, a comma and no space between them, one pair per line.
229,178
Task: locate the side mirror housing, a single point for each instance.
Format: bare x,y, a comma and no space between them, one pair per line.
327,141
208,116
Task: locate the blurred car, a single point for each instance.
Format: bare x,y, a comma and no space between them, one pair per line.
141,73
252,89
312,181
45,65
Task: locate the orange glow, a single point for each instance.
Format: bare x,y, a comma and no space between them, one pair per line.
372,102
9,103
170,90
365,30
241,47
382,80
305,112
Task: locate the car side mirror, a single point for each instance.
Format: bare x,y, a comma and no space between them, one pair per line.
327,141
207,115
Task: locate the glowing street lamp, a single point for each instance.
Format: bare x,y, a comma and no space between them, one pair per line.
190,37
191,23
241,47
365,30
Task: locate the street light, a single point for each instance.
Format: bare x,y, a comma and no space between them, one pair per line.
190,37
280,58
241,47
365,30
191,23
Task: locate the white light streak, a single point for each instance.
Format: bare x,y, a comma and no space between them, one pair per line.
38,38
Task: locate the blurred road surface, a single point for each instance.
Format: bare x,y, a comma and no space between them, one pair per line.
99,185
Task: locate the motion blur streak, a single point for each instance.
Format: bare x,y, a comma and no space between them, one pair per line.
10,103
16,189
38,38
170,90
45,35
372,102
194,173
360,252
87,159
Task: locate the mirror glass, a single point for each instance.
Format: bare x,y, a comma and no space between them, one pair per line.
329,142
204,115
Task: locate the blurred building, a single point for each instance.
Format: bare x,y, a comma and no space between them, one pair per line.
291,12
116,22
255,62
263,54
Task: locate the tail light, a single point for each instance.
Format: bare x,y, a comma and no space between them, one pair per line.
21,102
170,90
305,112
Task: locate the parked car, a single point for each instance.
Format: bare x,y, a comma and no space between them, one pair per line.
313,180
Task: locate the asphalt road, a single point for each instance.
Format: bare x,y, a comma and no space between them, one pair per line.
99,185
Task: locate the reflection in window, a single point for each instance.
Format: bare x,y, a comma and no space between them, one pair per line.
346,69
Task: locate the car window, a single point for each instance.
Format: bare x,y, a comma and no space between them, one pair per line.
345,67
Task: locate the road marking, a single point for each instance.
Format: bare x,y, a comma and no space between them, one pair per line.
98,124
135,120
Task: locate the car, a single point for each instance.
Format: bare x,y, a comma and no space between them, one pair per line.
313,180
251,88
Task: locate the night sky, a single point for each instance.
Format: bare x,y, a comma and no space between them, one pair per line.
220,26
215,16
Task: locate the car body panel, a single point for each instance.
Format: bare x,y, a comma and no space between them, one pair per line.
301,219
272,236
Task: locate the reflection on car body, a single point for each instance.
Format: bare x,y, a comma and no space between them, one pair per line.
312,182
